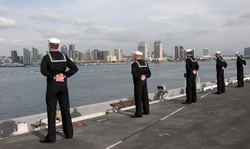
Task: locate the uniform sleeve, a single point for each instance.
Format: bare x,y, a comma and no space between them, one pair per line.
219,63
188,65
72,68
225,64
134,71
148,74
197,66
44,68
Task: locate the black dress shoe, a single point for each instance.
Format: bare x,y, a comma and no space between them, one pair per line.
218,93
135,116
46,140
145,113
186,103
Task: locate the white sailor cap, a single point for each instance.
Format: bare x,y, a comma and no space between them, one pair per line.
237,52
53,40
138,53
188,50
218,52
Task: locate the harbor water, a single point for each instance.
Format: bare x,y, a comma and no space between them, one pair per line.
22,89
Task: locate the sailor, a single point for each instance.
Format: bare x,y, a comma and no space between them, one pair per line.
221,65
140,72
240,63
191,72
54,66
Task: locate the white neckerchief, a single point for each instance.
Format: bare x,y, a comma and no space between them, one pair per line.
57,61
140,66
241,57
192,59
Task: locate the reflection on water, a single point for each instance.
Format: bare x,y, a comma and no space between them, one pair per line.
23,89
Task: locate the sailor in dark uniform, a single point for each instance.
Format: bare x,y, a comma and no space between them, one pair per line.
240,63
140,72
54,66
221,65
191,72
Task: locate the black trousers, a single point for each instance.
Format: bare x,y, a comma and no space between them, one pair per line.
141,97
240,76
191,88
58,92
220,81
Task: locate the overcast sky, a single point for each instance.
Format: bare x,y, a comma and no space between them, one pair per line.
106,24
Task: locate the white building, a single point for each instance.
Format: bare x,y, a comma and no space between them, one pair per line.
111,58
143,47
118,53
158,50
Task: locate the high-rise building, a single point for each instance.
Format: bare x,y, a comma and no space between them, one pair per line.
64,50
35,54
193,53
14,56
118,53
247,52
72,52
80,56
104,55
143,47
182,53
96,54
205,52
176,52
26,56
158,49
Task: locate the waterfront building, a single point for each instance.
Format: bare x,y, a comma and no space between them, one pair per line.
247,52
14,56
26,56
64,50
205,52
143,47
158,49
72,52
104,54
111,58
182,53
118,53
176,52
35,54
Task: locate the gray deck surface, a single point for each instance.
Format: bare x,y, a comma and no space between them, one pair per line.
214,122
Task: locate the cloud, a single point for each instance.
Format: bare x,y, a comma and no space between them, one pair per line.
7,23
45,16
243,19
4,11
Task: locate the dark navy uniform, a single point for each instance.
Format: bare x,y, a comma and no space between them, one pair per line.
52,64
139,68
191,64
240,70
220,64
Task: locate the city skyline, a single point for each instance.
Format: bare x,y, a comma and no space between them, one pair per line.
108,24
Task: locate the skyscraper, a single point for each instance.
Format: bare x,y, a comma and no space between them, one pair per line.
205,52
247,52
26,56
14,56
64,50
193,53
72,52
182,53
118,54
158,49
95,54
35,54
104,55
143,47
176,52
